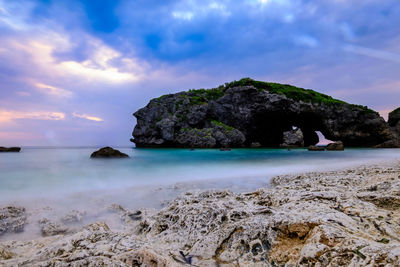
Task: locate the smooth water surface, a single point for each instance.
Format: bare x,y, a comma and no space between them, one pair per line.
55,171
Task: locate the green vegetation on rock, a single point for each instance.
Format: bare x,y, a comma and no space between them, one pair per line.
226,127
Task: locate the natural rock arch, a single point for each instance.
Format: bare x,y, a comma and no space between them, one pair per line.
247,111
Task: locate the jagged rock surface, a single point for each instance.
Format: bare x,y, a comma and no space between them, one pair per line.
335,146
345,218
245,112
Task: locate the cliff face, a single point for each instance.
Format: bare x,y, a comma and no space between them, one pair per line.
247,111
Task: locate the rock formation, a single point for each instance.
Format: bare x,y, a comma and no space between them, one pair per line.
293,138
108,152
10,149
246,112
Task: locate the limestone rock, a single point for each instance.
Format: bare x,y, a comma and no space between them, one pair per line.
73,216
12,219
335,146
108,152
247,111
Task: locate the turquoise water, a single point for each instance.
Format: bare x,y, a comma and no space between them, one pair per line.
47,172
50,182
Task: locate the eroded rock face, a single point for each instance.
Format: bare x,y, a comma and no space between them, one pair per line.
245,112
335,146
108,152
12,219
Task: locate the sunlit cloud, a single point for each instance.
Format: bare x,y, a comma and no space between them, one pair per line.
9,115
52,90
87,117
183,15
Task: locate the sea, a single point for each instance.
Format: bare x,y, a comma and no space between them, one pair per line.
50,181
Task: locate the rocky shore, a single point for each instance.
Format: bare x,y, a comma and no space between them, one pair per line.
337,218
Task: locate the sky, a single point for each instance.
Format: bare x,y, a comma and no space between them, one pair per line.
72,72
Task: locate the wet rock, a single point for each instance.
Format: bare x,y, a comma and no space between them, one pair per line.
335,146
108,152
12,219
316,148
225,149
10,149
49,228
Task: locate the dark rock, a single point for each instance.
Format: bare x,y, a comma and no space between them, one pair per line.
12,219
225,149
10,149
335,146
316,148
293,138
247,111
108,152
394,123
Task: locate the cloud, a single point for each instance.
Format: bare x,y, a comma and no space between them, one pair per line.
374,53
52,90
87,117
10,115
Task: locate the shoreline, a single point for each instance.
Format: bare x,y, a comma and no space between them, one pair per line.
344,217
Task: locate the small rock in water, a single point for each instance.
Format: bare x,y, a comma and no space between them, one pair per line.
336,146
224,149
136,216
316,148
49,228
12,219
10,149
108,152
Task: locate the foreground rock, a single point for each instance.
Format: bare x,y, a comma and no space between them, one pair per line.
246,112
345,218
12,219
10,149
108,152
49,228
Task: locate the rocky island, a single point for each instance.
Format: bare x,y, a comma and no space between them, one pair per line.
249,113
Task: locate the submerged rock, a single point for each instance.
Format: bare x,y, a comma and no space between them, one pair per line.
244,112
10,149
335,146
108,152
12,219
73,216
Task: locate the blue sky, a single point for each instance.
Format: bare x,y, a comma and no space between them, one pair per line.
73,72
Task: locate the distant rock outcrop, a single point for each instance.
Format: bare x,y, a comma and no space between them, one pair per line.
108,152
293,138
394,124
10,149
246,112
